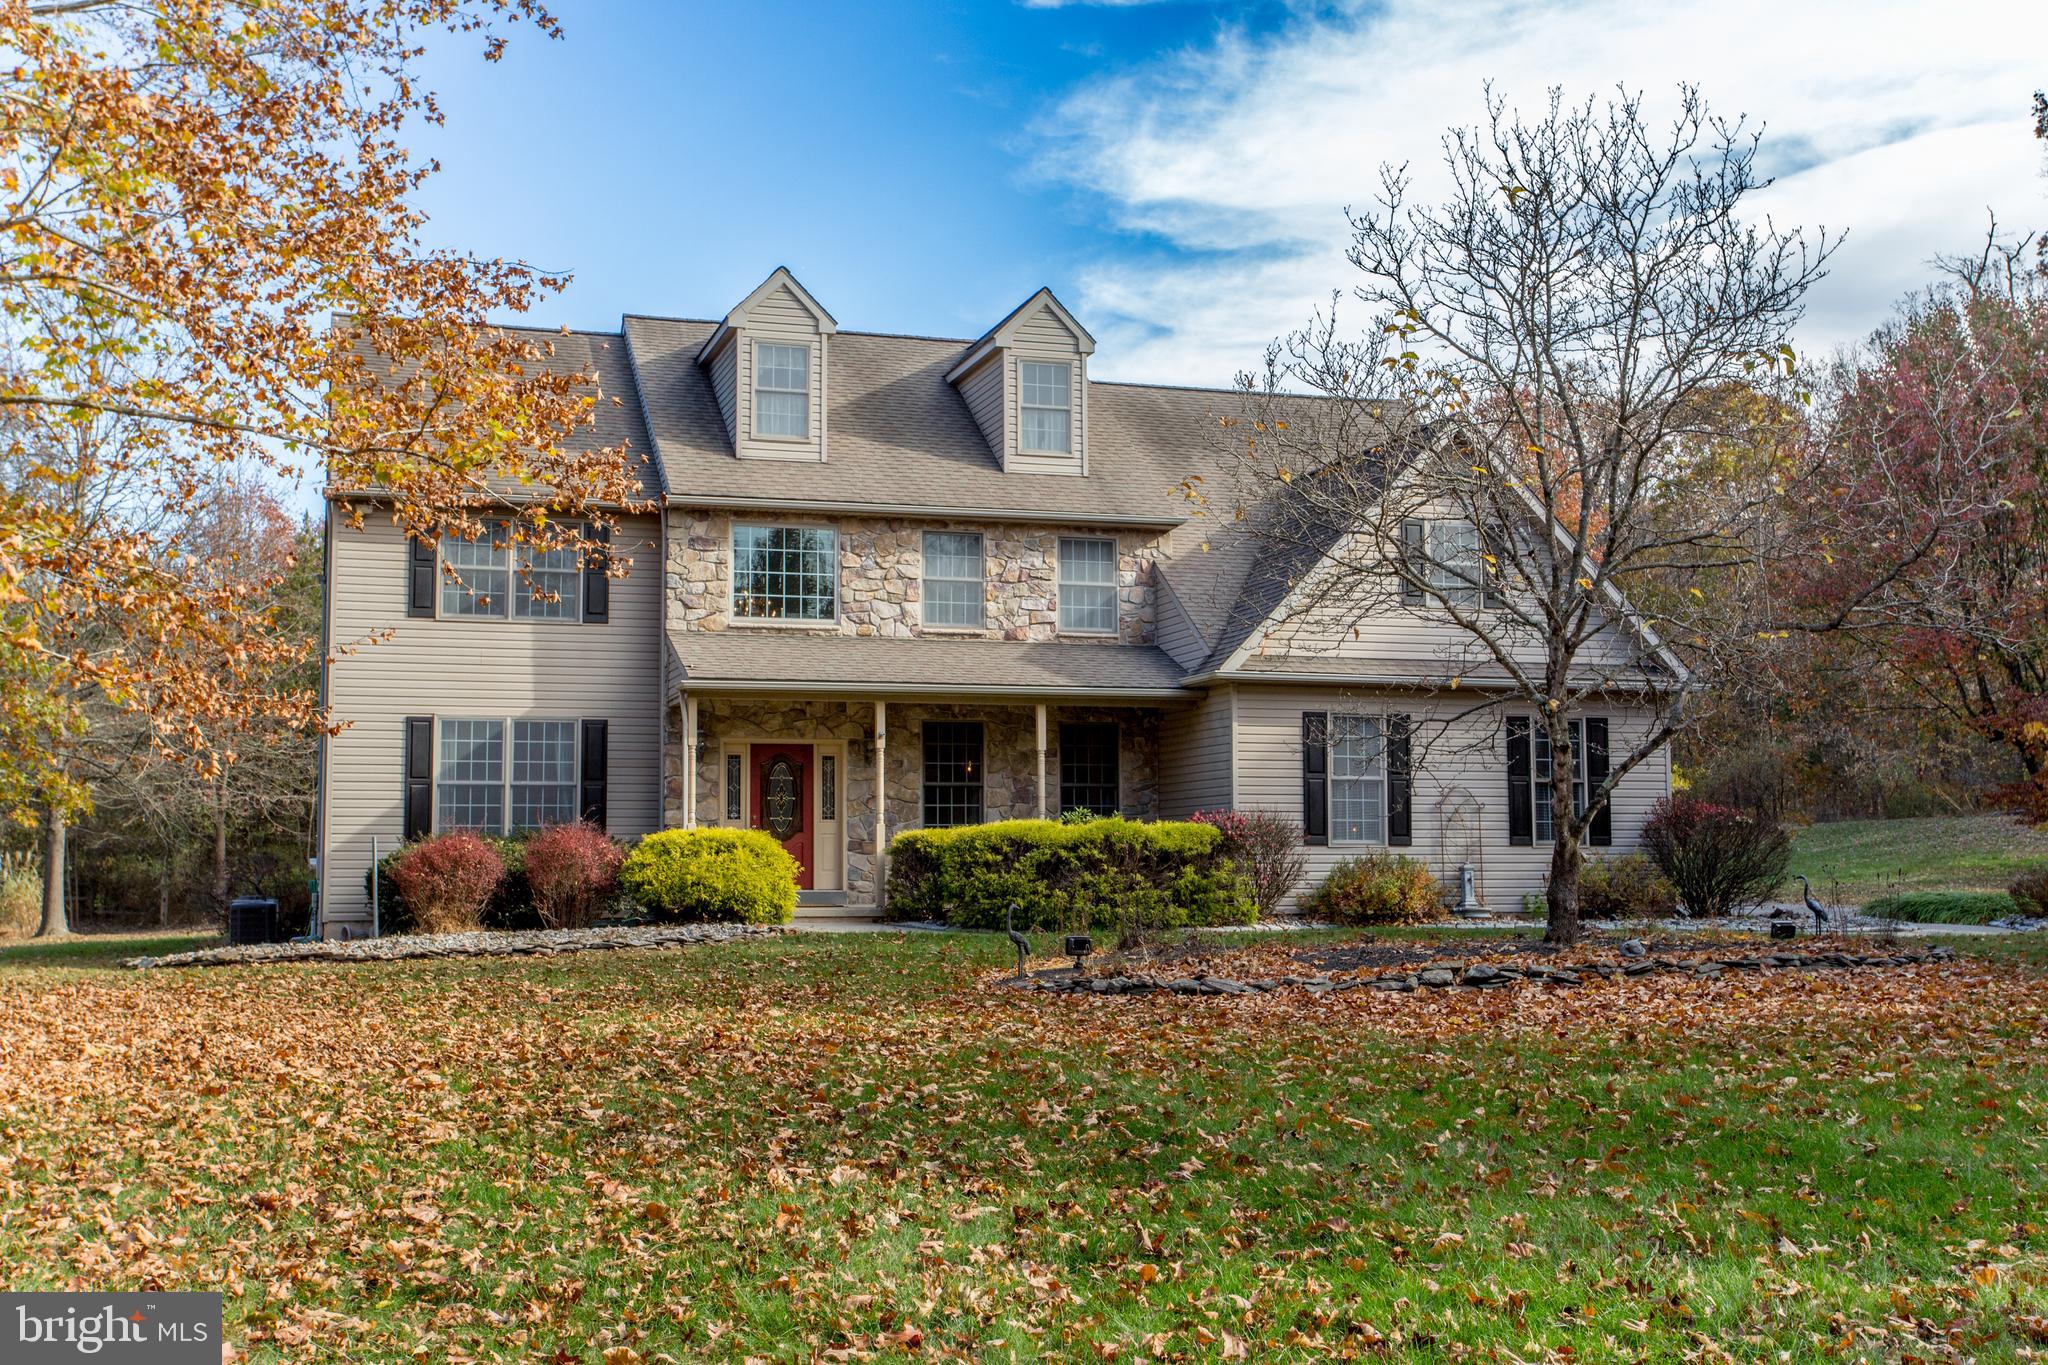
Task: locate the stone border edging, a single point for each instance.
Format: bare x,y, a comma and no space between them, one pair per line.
482,943
1477,975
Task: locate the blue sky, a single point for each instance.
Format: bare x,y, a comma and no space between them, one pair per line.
1175,171
891,162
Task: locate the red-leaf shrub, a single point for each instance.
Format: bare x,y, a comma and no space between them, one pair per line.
1718,858
2030,892
572,871
447,881
1267,849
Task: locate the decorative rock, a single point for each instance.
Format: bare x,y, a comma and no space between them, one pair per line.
482,943
1438,976
1479,974
1633,948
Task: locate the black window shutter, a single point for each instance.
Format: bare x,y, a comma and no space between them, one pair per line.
595,751
419,578
1521,805
1412,549
1315,777
419,777
1601,834
597,587
1400,782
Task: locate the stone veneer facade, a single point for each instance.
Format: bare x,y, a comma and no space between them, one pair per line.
881,590
1009,760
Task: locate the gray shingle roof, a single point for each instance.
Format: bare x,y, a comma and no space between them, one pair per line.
604,355
899,435
790,660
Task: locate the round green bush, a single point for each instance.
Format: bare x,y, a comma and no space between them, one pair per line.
712,874
1378,888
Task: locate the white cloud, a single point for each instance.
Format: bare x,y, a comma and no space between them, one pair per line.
1232,163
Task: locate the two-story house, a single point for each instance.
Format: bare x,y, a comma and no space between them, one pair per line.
898,581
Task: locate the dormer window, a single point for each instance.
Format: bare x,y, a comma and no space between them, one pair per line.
1046,402
782,391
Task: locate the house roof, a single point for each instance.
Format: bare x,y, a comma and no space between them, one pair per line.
604,355
776,659
898,435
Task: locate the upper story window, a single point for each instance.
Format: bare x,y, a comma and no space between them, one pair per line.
785,573
1450,554
955,579
496,579
782,390
1046,402
1087,585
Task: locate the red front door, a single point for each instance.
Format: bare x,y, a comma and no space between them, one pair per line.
782,800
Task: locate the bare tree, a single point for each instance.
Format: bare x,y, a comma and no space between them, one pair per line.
1532,444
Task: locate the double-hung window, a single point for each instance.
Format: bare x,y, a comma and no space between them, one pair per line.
470,779
1087,585
782,390
785,573
476,789
1450,556
1045,401
1541,772
495,579
955,579
1088,768
952,773
1358,780
482,573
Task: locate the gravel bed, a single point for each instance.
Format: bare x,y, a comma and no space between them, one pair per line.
483,943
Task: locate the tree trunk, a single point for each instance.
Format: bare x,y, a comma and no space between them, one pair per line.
1565,862
55,919
220,844
1566,858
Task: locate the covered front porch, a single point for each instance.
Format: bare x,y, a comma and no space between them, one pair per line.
833,778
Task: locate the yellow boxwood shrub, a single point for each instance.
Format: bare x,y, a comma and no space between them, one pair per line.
713,874
1164,873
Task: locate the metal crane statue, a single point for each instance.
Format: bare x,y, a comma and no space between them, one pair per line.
1017,940
1820,916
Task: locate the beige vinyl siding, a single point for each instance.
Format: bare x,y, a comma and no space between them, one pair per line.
1174,632
514,669
1041,336
1194,749
1318,622
725,386
983,391
779,318
1469,757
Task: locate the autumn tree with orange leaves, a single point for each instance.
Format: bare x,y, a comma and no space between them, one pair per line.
194,192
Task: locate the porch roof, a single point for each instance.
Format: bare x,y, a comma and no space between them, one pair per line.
773,660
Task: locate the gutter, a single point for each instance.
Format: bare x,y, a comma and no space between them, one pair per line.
920,689
890,509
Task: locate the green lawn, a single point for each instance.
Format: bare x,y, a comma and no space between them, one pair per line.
843,1147
1854,861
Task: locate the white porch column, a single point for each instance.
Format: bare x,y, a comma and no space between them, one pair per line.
1041,760
689,762
881,803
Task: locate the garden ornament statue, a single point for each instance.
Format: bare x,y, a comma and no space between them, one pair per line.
1017,940
1820,916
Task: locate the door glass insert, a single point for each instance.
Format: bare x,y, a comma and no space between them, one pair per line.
780,802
